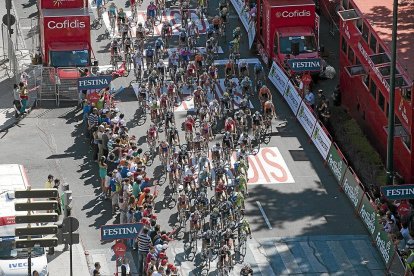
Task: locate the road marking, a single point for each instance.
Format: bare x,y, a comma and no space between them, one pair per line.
261,259
264,215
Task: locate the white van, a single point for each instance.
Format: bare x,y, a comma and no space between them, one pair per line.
13,262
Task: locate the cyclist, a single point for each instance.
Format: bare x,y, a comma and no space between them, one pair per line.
206,243
198,142
192,29
243,69
149,54
173,136
121,16
216,23
228,236
182,37
216,153
206,130
185,55
140,32
238,200
201,202
188,126
183,202
257,120
195,220
224,12
214,217
159,46
138,63
227,102
152,133
241,184
237,33
173,60
169,118
153,78
115,48
227,140
258,70
229,69
164,146
210,31
161,68
269,109
230,125
212,71
210,46
198,58
151,11
203,112
240,117
112,11
246,85
246,270
142,92
127,45
264,95
244,227
214,108
244,140
199,96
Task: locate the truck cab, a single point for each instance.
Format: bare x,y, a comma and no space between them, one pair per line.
287,32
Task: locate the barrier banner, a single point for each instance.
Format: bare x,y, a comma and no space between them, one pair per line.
306,118
250,26
335,163
292,97
385,246
278,78
371,220
321,140
369,216
352,189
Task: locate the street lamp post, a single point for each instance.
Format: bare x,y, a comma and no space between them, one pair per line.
391,118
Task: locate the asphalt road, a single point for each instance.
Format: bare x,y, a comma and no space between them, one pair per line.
306,208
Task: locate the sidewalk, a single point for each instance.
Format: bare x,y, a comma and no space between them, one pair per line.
59,263
7,118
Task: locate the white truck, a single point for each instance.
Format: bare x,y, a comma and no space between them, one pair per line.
13,261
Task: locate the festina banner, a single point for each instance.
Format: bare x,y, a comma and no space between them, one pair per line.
398,192
95,82
120,231
305,64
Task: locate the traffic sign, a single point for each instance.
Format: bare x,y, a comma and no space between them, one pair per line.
37,218
12,19
70,224
36,230
36,205
41,242
66,238
119,249
36,193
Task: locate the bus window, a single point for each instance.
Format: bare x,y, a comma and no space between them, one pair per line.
381,101
365,32
307,44
351,55
373,43
276,44
344,45
373,89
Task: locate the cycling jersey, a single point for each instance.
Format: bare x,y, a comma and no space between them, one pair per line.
149,53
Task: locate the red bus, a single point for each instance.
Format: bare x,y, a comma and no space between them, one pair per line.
365,28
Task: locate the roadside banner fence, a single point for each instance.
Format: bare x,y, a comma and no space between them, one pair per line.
249,25
345,176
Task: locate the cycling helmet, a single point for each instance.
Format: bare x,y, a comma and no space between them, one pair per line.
216,210
257,113
225,247
202,195
225,94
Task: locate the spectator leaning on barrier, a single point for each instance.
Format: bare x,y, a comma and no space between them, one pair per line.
310,99
24,96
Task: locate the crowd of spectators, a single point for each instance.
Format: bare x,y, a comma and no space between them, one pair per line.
124,181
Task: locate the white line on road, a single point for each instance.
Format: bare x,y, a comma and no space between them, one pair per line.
264,215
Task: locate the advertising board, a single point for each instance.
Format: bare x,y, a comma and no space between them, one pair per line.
306,118
293,16
292,97
62,4
278,78
321,140
120,231
352,188
335,163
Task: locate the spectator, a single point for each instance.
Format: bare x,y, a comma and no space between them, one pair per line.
17,104
103,167
24,96
310,99
92,121
404,231
144,242
125,269
96,270
49,183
